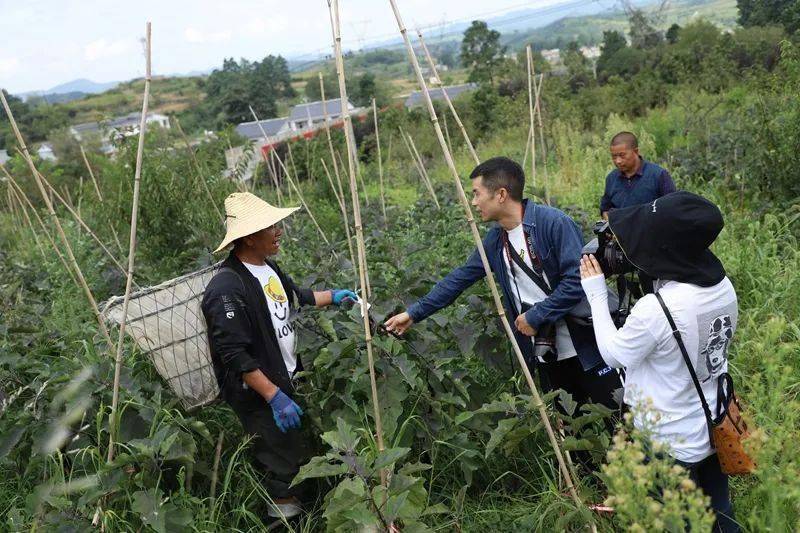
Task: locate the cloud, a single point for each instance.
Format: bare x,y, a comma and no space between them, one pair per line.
193,35
8,65
102,49
258,26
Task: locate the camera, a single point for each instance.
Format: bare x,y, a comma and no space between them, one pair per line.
607,251
544,342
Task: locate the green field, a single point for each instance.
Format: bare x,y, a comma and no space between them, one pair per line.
464,446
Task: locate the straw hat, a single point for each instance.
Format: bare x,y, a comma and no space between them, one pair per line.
246,213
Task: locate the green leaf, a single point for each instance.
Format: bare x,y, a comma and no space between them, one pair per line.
344,438
319,467
503,427
570,443
148,505
389,456
412,468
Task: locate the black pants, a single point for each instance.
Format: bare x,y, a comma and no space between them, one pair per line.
586,386
277,455
708,475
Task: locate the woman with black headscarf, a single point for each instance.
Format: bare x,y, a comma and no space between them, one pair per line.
669,241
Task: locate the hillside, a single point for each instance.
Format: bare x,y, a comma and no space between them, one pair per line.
168,95
181,95
588,30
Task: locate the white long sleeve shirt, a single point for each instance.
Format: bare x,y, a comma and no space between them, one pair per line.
658,385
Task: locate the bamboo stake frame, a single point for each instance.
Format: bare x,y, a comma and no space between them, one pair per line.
419,166
304,204
83,224
264,157
362,257
13,194
197,168
91,172
380,161
531,112
137,177
537,400
52,242
447,98
343,208
82,283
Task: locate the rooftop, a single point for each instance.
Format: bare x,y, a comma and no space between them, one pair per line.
251,130
314,110
453,91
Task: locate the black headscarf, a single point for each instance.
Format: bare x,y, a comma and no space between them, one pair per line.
669,238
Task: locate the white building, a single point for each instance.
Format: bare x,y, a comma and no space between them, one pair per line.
4,157
45,152
116,128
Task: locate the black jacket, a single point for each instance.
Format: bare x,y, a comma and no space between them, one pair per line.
240,331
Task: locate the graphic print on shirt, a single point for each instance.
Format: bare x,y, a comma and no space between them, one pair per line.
715,331
278,305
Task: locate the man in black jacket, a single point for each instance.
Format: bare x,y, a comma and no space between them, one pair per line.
248,307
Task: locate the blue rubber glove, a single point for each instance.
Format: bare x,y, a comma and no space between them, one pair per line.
285,412
339,295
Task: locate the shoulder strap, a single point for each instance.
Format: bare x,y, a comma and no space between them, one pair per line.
536,278
685,354
232,271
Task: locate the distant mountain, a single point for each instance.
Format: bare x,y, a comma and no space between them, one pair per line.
53,98
82,86
70,90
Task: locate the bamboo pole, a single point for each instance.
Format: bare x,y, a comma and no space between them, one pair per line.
537,400
304,204
46,233
13,193
330,181
80,194
447,133
197,168
527,147
91,172
116,238
423,174
343,208
380,162
137,178
291,162
63,236
264,157
83,224
215,469
532,120
447,98
542,144
328,133
362,257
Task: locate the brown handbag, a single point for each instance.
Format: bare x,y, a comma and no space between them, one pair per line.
728,430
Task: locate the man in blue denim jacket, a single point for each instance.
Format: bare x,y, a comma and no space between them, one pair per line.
549,242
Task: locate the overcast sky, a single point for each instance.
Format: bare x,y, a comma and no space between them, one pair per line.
48,42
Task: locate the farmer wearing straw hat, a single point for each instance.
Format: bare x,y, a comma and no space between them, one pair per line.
248,307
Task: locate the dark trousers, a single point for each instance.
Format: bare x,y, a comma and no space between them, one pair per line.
708,475
278,456
586,386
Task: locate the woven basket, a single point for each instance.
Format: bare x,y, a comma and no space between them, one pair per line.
168,325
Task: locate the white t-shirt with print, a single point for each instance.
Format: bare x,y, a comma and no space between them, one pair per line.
278,305
655,372
531,293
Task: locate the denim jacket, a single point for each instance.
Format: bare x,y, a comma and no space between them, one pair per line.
558,242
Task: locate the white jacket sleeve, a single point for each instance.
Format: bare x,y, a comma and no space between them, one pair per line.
625,347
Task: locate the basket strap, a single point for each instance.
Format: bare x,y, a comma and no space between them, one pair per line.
685,354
